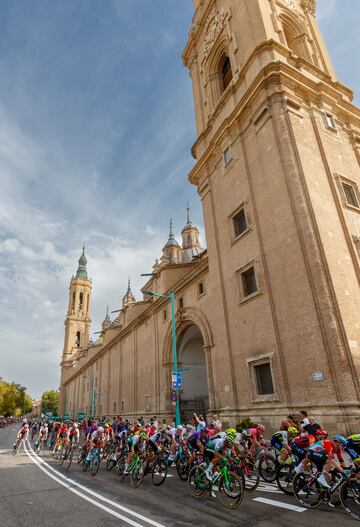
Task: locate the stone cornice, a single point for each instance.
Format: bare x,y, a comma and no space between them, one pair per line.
154,307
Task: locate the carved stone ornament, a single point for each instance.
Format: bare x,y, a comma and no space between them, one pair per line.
215,23
291,4
309,6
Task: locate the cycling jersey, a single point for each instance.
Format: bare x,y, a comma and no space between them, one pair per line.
256,434
215,444
176,434
279,439
353,447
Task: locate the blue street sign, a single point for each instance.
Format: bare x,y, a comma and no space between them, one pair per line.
173,396
176,380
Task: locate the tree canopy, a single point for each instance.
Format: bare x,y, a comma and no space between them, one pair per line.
50,401
13,399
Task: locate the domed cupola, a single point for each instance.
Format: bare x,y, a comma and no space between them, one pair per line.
129,297
190,240
82,271
172,249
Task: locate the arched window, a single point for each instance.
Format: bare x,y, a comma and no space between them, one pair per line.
224,73
73,302
189,239
87,303
77,342
296,38
81,300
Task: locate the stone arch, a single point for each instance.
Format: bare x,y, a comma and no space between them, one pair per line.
295,36
186,318
215,69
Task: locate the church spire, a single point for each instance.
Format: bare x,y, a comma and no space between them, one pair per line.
107,321
128,297
82,271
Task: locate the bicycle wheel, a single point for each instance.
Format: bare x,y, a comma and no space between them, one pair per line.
183,467
95,464
120,468
231,491
69,458
198,483
350,497
62,454
110,462
307,490
80,454
159,472
267,468
251,474
284,478
85,464
137,474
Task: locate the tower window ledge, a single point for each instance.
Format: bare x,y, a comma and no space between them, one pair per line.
240,236
250,297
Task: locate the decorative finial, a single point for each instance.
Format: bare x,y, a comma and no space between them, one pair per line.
188,213
171,229
107,310
129,284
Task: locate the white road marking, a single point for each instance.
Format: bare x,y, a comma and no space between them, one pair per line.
280,504
91,492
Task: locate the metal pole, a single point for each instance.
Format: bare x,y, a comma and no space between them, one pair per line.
173,324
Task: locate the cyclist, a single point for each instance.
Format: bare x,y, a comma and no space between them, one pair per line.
135,441
257,438
216,447
43,434
196,443
22,434
351,445
322,453
176,435
280,441
97,436
74,434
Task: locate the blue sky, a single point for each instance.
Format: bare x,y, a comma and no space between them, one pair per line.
96,126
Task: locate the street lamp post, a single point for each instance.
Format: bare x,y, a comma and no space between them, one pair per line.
171,296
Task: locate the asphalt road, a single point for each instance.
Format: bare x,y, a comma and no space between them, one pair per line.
35,491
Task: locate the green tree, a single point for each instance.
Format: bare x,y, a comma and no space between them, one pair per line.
13,399
50,401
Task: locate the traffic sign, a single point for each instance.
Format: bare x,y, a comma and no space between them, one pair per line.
176,380
173,395
49,414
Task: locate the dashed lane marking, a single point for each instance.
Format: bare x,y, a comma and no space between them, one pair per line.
280,504
72,483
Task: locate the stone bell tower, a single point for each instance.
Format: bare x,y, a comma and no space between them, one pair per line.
277,169
77,322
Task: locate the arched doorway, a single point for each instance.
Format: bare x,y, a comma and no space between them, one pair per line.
191,358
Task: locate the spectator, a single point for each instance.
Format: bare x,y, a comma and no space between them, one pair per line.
304,422
310,428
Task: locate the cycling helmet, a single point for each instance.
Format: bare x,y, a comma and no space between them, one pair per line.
107,425
261,428
180,427
143,435
321,432
188,427
230,439
292,430
101,429
75,425
26,425
231,432
340,439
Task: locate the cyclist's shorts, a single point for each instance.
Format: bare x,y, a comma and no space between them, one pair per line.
319,458
193,445
298,451
152,446
278,445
